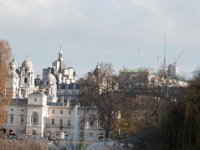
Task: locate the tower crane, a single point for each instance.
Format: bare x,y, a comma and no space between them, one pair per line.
176,60
172,69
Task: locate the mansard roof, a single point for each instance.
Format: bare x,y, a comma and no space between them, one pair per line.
18,101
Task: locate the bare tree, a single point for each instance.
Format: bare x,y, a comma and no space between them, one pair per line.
5,93
181,125
99,90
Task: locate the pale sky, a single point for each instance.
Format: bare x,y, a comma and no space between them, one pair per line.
122,32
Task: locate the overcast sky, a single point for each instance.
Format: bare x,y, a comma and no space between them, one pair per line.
126,33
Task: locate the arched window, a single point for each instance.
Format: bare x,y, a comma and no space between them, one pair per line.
25,80
34,118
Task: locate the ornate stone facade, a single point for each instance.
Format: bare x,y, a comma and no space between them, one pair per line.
44,107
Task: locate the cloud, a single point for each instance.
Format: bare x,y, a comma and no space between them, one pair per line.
148,13
99,29
145,5
40,14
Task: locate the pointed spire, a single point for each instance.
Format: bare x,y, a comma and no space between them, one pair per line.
60,52
12,63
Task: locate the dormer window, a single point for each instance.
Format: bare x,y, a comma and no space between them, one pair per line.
26,70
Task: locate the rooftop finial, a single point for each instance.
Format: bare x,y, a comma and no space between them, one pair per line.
98,65
13,58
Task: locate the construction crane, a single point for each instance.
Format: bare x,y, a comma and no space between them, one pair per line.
176,60
172,69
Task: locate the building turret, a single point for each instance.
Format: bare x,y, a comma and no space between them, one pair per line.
50,85
13,78
27,77
63,73
97,71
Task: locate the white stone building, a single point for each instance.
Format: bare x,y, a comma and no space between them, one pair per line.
44,107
